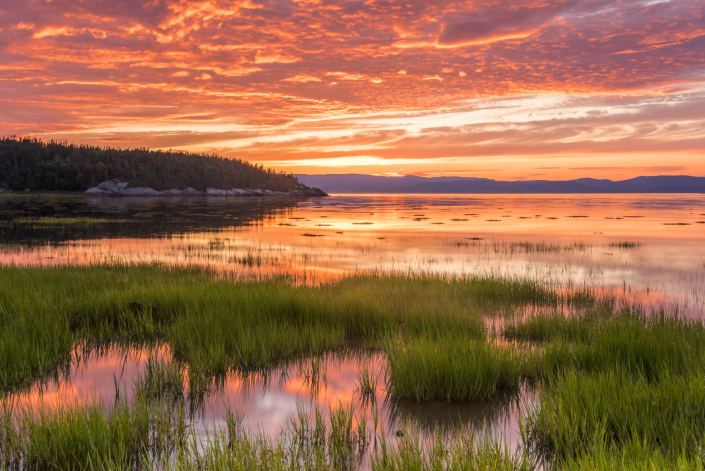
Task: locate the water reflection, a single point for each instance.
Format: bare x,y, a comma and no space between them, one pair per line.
645,248
23,221
269,401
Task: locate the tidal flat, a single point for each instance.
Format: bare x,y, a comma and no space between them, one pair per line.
207,335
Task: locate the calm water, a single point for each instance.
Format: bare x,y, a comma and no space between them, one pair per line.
645,249
269,401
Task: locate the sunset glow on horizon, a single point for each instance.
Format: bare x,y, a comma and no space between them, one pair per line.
525,89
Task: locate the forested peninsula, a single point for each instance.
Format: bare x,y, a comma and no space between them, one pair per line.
31,164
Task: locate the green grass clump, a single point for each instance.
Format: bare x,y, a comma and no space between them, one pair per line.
461,452
634,456
451,369
641,345
88,436
216,325
581,412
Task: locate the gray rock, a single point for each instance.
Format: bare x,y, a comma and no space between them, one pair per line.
110,185
95,191
2,190
27,190
268,193
215,192
122,185
174,192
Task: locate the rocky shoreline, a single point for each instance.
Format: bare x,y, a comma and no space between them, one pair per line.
118,188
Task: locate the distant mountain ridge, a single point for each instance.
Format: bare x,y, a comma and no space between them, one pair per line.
358,183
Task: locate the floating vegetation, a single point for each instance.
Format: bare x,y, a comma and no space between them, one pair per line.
312,235
676,224
626,244
216,244
363,223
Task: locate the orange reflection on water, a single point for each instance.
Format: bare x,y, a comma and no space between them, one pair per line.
270,401
634,243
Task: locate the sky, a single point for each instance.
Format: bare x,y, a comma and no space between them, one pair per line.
511,90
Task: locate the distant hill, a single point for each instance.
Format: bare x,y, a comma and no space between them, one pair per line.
53,166
355,183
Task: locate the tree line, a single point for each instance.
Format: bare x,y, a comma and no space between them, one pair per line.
28,163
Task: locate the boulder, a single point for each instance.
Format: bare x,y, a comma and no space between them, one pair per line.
174,192
239,192
95,191
215,192
2,190
268,193
110,185
315,192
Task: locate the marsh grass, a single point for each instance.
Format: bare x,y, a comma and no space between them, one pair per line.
462,451
580,413
451,368
367,383
616,388
162,380
88,435
641,345
217,326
